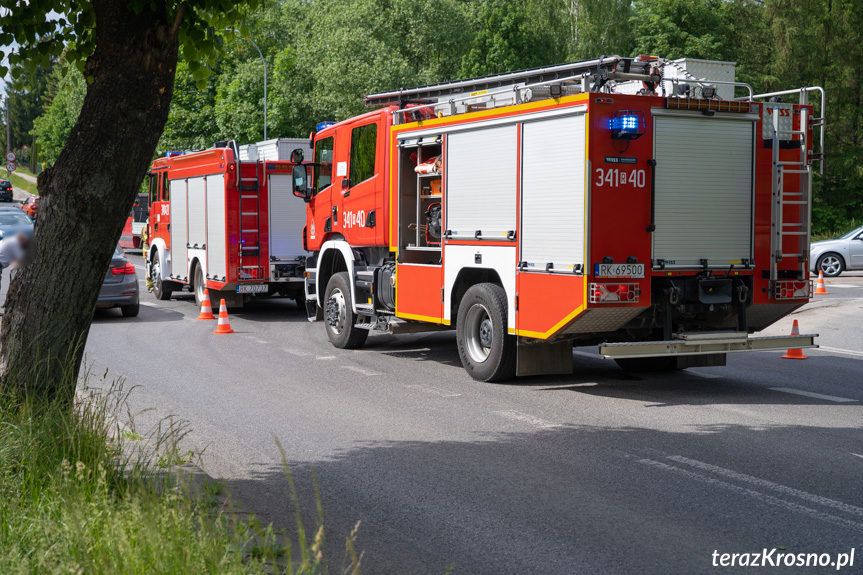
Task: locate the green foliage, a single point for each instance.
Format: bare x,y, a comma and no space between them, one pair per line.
65,94
508,38
40,39
681,28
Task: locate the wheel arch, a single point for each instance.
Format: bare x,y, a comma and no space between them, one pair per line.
467,278
335,256
158,247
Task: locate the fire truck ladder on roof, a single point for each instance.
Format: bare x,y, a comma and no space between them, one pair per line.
249,189
548,81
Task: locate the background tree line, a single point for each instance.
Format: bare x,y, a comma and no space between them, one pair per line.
323,55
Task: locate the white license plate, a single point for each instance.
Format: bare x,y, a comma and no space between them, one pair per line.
618,270
252,288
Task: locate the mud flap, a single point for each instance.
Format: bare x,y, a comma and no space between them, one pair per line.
544,358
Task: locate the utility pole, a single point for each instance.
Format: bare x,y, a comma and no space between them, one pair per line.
8,136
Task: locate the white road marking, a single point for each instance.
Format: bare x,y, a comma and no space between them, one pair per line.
763,497
525,418
359,369
852,509
149,304
433,390
298,352
843,286
705,375
326,357
857,455
815,395
840,350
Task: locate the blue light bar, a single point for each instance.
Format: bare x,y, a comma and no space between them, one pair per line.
323,125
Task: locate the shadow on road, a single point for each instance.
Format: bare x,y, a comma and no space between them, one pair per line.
573,499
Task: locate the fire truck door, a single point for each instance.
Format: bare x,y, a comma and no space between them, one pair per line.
360,186
320,223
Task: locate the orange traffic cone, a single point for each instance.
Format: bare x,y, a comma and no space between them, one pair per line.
206,308
792,353
224,325
820,288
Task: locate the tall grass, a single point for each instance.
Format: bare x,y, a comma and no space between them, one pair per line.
73,500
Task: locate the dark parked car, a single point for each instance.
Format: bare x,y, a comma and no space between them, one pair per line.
5,191
13,221
120,288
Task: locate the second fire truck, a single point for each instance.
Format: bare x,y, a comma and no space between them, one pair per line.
617,201
226,225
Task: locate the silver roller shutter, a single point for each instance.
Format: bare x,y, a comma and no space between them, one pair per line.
287,218
197,212
553,163
216,237
481,177
704,181
179,260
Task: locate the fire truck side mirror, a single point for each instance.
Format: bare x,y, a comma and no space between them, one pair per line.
301,182
297,156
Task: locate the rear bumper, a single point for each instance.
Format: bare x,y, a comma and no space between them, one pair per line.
706,344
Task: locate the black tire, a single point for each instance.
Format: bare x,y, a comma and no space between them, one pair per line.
647,364
162,290
339,320
130,310
487,350
200,284
831,263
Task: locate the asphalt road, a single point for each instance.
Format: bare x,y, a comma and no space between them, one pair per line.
598,472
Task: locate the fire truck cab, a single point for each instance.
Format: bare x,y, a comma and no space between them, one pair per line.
230,226
608,202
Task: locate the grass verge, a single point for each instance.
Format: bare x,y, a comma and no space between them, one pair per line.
25,185
74,500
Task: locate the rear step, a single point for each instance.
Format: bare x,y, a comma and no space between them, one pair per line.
704,343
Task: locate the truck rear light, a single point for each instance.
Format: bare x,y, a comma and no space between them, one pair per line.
129,268
613,293
792,289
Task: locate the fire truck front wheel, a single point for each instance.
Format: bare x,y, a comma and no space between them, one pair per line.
161,289
487,351
338,317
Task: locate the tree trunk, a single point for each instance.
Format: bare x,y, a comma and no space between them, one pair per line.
86,198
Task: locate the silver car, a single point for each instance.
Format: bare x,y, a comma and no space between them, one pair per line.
120,288
835,256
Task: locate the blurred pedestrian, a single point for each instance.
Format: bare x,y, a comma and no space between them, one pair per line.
12,251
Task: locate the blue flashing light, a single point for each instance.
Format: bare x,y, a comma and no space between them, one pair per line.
323,125
171,154
626,125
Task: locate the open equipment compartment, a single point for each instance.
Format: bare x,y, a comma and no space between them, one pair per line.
420,202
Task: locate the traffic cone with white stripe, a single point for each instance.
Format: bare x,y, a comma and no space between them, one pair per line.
224,325
795,353
206,308
820,288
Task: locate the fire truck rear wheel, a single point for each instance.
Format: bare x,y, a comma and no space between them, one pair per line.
200,285
487,351
161,289
646,364
338,317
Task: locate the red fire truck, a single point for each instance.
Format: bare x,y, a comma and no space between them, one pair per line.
130,237
223,224
537,210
